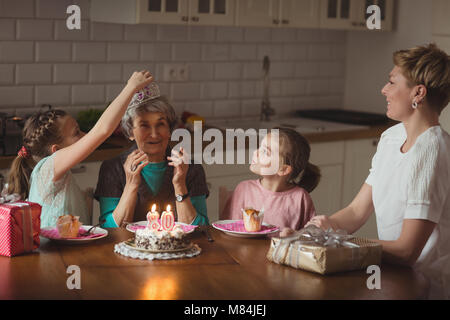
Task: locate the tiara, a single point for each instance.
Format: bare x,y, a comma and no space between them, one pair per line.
147,93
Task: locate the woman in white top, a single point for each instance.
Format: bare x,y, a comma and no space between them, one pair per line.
408,186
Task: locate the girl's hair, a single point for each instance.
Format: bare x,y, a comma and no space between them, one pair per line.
39,133
295,152
160,104
430,66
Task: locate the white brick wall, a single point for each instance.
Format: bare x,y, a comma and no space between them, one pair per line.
41,61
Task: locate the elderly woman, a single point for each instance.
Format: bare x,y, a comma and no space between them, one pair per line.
146,174
408,185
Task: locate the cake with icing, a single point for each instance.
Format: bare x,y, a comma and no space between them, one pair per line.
160,240
68,226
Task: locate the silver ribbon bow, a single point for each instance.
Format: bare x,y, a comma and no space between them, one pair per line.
9,198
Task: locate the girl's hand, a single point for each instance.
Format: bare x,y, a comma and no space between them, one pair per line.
286,232
139,80
180,161
322,222
133,166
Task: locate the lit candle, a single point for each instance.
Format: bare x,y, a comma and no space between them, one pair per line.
167,219
152,218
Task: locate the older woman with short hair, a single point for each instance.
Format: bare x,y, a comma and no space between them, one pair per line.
408,185
147,173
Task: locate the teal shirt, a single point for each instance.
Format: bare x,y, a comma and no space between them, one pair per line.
153,175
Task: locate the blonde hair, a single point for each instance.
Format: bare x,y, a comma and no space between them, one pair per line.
430,66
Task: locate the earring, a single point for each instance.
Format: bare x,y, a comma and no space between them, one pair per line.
414,105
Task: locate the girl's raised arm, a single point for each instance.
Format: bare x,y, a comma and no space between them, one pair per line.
68,157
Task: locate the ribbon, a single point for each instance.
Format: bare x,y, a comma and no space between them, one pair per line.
315,236
8,198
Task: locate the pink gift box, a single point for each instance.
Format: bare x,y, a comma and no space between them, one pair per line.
20,226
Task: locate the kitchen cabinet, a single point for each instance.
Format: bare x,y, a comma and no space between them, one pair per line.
278,13
329,157
181,12
357,163
352,15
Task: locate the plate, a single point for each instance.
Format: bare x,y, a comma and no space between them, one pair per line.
130,244
52,234
187,228
236,228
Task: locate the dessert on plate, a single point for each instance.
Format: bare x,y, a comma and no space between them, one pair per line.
252,219
68,226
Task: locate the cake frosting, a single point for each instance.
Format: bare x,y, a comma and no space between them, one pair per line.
151,239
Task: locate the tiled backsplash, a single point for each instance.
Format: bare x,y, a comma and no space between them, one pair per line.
42,62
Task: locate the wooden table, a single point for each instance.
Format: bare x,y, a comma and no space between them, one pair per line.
229,268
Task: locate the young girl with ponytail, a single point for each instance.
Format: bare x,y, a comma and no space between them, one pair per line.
52,145
283,192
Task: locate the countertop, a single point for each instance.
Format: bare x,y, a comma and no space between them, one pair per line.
121,144
228,268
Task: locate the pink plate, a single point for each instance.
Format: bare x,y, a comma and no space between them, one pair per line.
236,228
53,234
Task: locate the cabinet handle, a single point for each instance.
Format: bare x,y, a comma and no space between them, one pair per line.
208,184
284,21
184,18
80,169
375,142
276,21
195,19
354,24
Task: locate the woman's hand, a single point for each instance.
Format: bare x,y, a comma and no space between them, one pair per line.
139,80
323,222
286,232
180,161
133,166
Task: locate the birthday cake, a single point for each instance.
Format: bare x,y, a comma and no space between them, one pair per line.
161,240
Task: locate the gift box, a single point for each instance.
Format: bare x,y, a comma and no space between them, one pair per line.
20,225
324,252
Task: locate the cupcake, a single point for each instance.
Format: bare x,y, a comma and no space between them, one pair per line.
68,226
252,219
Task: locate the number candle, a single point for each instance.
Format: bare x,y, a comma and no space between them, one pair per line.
167,219
152,218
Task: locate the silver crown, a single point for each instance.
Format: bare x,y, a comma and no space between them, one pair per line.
147,93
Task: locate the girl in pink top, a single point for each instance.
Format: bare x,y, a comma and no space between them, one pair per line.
283,192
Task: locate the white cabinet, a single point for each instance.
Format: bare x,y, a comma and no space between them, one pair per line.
192,12
352,14
357,163
278,13
329,157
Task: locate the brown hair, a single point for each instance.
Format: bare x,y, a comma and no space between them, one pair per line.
39,133
295,152
430,66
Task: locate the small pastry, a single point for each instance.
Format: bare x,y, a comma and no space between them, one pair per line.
68,226
252,219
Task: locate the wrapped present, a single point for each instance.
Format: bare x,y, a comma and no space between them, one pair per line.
324,252
20,225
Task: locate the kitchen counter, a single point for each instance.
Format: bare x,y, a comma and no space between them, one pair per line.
116,145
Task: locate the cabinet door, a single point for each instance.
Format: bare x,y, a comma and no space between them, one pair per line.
359,13
212,12
327,195
261,13
163,11
214,184
300,13
335,14
358,160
